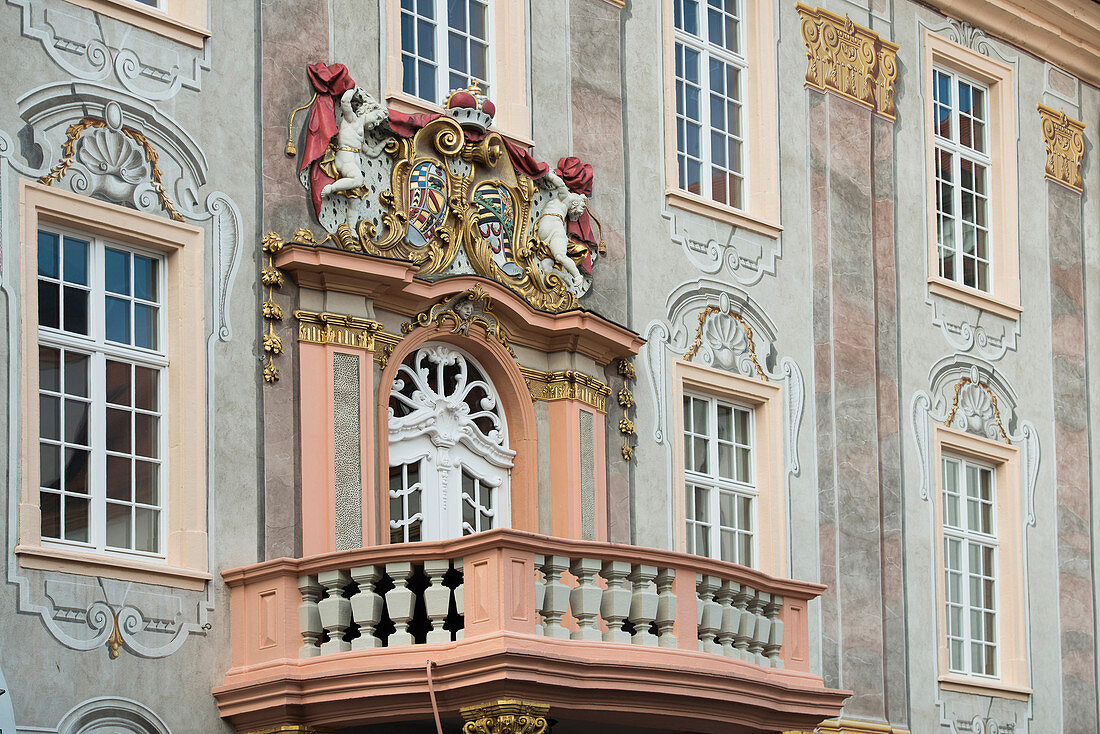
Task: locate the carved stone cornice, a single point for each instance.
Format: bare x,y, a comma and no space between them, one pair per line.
1065,143
566,385
848,59
333,328
505,717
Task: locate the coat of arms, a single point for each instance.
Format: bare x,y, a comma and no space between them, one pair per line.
447,192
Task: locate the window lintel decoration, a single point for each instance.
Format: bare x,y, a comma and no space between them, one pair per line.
463,310
848,59
447,192
1064,138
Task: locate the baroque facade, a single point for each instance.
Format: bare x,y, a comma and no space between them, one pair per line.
530,365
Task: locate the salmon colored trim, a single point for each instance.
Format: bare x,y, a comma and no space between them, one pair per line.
1011,614
1063,32
394,283
761,212
1004,245
519,412
566,514
507,57
318,500
771,499
599,466
182,245
181,20
983,688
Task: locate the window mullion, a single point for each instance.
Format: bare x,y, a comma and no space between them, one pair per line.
97,491
705,131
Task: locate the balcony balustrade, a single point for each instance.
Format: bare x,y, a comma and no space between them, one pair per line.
593,629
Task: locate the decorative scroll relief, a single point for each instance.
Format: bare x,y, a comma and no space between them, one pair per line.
95,48
970,329
969,395
1064,138
849,59
724,328
710,246
446,192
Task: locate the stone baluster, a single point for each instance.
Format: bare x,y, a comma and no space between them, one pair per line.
366,606
335,610
775,638
763,628
615,605
540,592
400,601
643,604
309,619
666,608
585,597
710,621
460,599
746,624
724,597
556,597
437,600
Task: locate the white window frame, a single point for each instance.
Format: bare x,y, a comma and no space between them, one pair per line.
718,485
707,50
100,350
968,538
442,62
444,455
954,147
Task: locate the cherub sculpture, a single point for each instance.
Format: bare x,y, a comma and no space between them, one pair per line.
552,224
359,113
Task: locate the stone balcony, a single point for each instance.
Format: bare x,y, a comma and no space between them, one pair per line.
600,632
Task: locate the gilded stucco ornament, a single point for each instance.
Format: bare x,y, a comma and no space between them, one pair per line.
625,368
272,279
473,307
846,58
446,192
506,717
1064,139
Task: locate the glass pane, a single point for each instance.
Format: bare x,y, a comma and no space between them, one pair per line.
146,530
469,517
117,275
118,430
744,421
729,545
725,461
119,482
117,316
76,374
76,261
76,310
414,499
49,466
700,449
76,422
145,388
744,510
118,382
146,482
745,550
146,435
49,369
477,20
744,465
49,309
725,510
49,417
51,514
699,415
702,504
48,254
145,278
687,413
76,471
702,540
76,519
725,422
118,525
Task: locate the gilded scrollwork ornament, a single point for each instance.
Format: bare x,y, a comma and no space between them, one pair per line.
271,278
506,717
625,396
473,307
1064,138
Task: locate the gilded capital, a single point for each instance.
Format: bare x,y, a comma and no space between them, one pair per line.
506,717
848,59
1065,143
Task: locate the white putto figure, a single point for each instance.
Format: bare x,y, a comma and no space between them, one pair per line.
359,113
551,225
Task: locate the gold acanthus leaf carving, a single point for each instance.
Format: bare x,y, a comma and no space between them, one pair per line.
506,717
1064,138
463,310
846,58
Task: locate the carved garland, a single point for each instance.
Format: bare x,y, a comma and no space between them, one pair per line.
992,401
709,310
68,154
272,278
848,59
1065,143
625,368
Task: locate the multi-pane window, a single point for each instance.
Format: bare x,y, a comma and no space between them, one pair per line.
102,370
710,72
445,44
962,175
970,567
719,482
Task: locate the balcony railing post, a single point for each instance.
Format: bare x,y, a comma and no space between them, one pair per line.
556,597
615,604
540,593
309,618
460,598
762,628
724,597
584,598
643,604
366,606
746,623
710,614
399,602
775,638
666,607
437,599
335,610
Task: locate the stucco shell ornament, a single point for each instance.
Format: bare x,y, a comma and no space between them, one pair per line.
114,164
446,192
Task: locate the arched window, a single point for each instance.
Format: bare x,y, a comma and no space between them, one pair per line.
449,457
